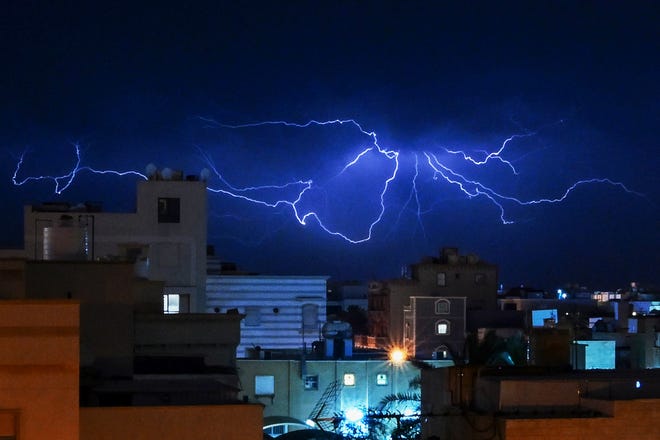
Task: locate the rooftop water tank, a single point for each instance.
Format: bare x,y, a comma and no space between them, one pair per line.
68,240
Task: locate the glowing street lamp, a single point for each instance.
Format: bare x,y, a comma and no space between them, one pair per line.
397,356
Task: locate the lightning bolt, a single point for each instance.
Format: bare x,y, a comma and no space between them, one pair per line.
294,194
63,182
304,216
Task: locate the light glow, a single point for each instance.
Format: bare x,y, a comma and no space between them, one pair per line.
398,356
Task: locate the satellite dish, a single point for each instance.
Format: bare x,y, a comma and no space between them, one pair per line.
167,173
151,170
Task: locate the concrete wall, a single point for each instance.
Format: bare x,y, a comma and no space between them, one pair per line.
630,420
227,422
293,400
213,336
109,295
39,355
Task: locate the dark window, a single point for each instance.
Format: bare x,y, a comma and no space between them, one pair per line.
169,210
312,382
441,307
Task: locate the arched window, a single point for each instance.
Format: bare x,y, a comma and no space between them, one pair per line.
442,352
441,307
442,327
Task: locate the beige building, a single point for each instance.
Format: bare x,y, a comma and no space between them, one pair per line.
165,237
39,370
478,403
449,275
39,388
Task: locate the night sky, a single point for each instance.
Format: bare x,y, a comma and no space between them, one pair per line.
133,84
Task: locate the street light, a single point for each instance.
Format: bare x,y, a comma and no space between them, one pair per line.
397,356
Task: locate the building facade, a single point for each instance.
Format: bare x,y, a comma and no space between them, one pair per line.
434,328
448,276
281,312
165,238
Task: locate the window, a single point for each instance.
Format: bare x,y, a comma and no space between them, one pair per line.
252,316
264,385
442,327
441,279
176,303
441,352
310,313
441,307
311,382
168,210
171,303
349,379
381,379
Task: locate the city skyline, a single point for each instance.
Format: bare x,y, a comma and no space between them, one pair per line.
522,133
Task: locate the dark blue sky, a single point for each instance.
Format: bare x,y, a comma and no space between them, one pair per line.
579,79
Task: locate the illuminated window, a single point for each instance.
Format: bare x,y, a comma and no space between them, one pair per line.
441,307
169,210
442,279
441,352
176,303
264,385
349,379
381,379
171,303
442,327
311,382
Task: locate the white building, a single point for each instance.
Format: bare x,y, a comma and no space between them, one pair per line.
166,237
281,312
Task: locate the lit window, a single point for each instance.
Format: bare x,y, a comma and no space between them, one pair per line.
381,379
441,352
349,379
264,385
442,327
441,307
171,303
311,382
441,279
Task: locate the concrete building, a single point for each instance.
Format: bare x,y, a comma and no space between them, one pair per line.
130,351
39,355
434,328
345,294
281,312
449,275
479,403
165,238
318,390
39,388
